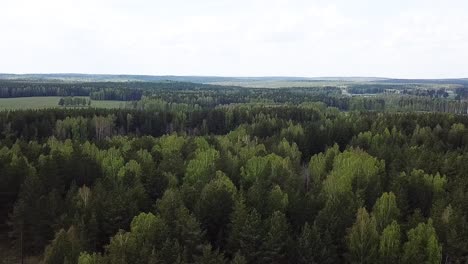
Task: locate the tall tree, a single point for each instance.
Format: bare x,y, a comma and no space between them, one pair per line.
215,206
389,246
363,239
276,245
422,245
385,210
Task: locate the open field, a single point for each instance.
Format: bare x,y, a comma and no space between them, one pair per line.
42,102
108,104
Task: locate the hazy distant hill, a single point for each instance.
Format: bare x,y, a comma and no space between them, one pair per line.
463,81
275,81
157,78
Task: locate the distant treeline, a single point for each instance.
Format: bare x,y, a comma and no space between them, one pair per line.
191,96
123,91
410,89
376,88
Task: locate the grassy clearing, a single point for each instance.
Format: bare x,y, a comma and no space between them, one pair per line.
28,103
42,102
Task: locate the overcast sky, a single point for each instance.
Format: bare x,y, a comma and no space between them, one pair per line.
397,38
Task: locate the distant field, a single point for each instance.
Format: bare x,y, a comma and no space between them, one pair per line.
279,84
48,102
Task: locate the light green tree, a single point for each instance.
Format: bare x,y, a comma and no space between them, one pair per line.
202,168
86,258
363,239
385,210
422,245
389,246
65,248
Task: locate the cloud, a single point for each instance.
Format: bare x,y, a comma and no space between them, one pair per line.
225,37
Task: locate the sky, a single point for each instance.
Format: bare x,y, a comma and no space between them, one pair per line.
308,38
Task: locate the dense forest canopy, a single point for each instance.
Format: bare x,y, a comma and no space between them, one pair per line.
196,173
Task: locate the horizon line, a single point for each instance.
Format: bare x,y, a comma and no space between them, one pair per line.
236,76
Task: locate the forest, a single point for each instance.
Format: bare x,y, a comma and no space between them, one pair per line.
200,173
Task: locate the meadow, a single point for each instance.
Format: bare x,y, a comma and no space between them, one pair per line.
43,102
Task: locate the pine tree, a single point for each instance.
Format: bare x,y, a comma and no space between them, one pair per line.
276,243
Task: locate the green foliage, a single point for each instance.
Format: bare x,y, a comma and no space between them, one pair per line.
389,246
385,210
308,245
286,149
357,172
450,224
147,231
363,239
112,163
255,167
210,256
65,248
277,200
233,185
183,226
423,245
321,164
169,148
315,246
202,167
214,207
420,189
246,232
86,258
75,128
277,239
